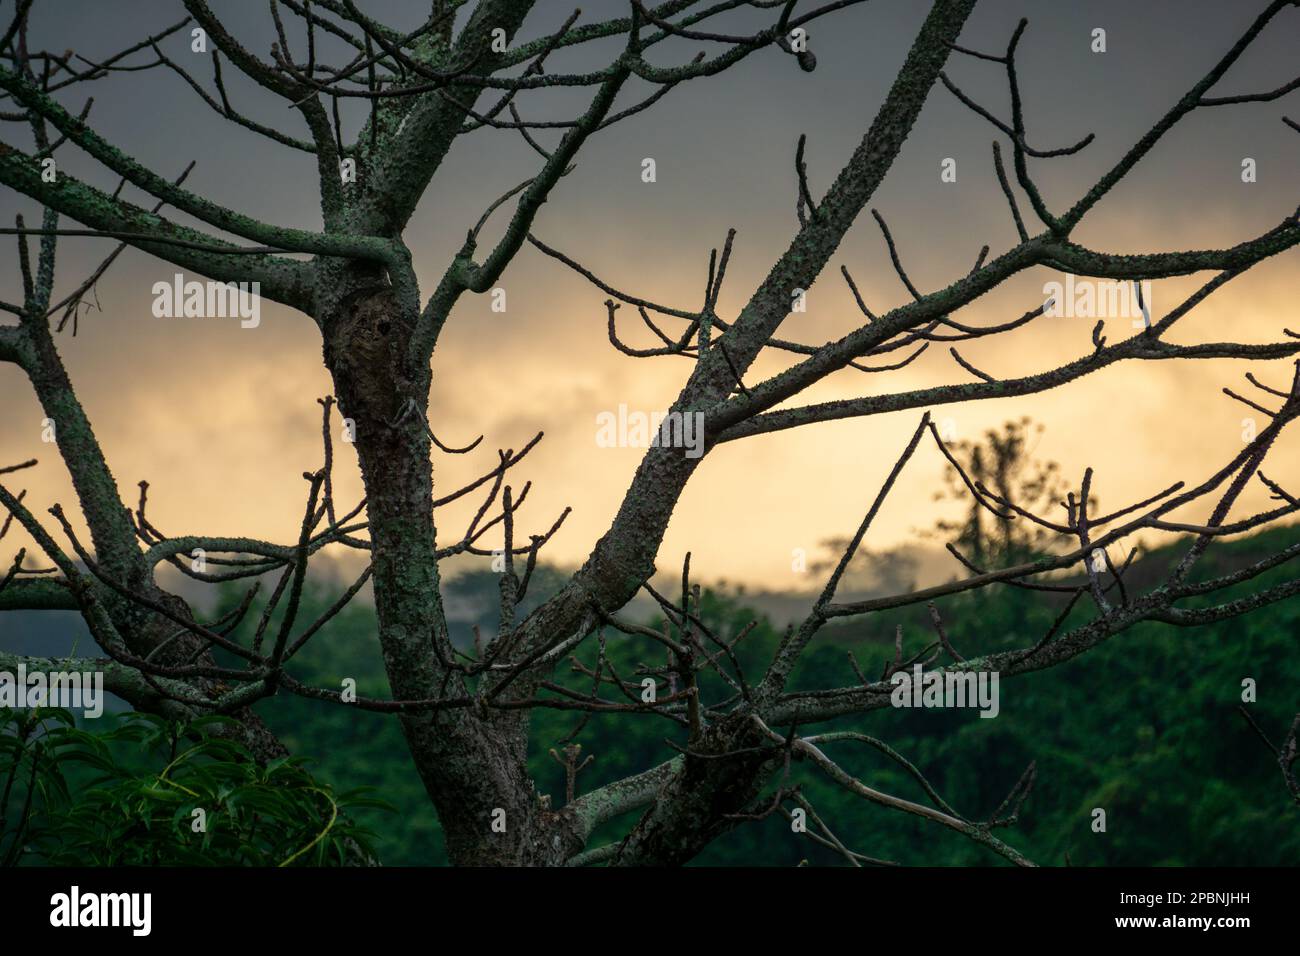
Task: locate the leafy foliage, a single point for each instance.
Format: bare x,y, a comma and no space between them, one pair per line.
131,796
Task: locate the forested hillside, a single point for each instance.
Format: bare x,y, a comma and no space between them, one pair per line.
1182,777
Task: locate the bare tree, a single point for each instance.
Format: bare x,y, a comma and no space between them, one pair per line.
465,715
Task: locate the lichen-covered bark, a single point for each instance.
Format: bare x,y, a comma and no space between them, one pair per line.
703,800
97,492
472,760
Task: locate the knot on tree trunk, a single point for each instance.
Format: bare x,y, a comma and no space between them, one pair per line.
366,350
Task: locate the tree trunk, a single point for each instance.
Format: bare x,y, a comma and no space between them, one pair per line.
473,762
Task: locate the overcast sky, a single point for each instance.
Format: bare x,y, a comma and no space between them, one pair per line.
223,420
